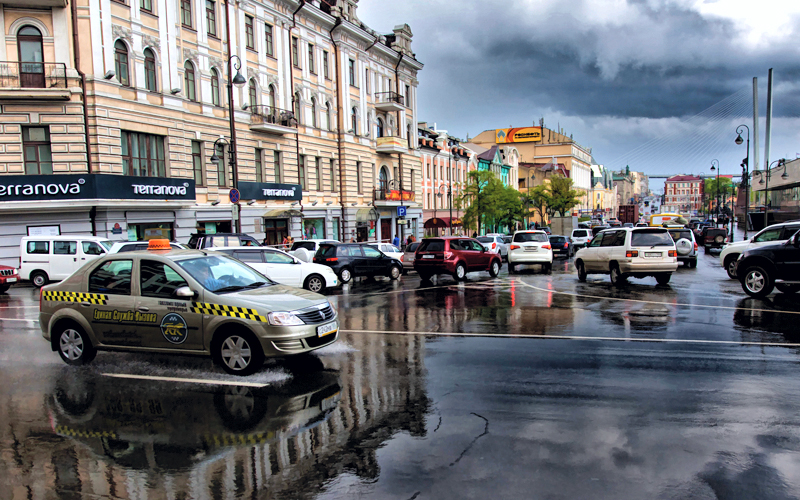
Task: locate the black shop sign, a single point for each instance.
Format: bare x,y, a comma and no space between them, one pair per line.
270,191
93,186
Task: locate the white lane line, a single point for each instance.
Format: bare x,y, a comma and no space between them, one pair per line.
18,319
18,307
579,337
186,380
655,301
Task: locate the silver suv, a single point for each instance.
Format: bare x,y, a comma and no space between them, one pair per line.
495,243
685,245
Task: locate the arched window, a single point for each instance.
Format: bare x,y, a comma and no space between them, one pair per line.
354,120
215,87
29,46
121,62
252,93
189,81
313,112
383,180
378,128
326,124
150,81
272,102
296,109
409,136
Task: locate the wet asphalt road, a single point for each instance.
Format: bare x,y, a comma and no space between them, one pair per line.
525,386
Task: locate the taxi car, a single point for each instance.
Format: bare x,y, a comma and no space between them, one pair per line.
185,302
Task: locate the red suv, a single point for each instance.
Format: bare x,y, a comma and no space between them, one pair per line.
455,256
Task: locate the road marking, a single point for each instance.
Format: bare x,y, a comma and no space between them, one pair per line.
579,337
186,380
17,319
655,301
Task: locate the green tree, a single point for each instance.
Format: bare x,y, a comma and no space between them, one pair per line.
538,198
725,186
476,196
562,196
506,207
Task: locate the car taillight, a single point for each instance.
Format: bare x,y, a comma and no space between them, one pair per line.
546,246
566,245
401,258
514,247
448,255
632,253
494,245
695,246
673,253
332,259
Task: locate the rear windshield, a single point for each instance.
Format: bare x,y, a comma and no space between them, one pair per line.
412,247
680,234
431,246
557,239
523,237
651,238
326,251
581,233
486,239
308,245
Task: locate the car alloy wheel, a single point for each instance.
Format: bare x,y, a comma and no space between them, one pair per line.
616,277
39,279
74,347
315,284
494,269
730,266
395,273
757,282
461,272
345,275
239,353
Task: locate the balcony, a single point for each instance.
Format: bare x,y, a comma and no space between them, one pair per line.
271,120
389,101
391,145
33,81
37,3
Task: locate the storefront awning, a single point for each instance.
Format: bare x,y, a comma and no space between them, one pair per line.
283,213
435,222
367,215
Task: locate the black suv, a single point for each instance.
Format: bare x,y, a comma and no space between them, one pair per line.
349,260
202,240
772,266
714,237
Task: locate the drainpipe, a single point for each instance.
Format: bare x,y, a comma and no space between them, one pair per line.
400,155
76,53
339,124
291,88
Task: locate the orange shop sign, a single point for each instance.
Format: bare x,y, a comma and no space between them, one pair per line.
524,134
395,195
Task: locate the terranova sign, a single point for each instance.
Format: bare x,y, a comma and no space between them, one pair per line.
93,186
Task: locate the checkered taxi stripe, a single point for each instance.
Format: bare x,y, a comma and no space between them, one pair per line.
239,439
66,431
230,311
92,298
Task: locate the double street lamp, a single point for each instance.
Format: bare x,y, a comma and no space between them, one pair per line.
765,175
745,172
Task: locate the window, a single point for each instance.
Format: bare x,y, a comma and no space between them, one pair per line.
36,145
333,178
318,172
326,118
188,81
295,53
296,106
371,252
249,256
354,121
278,258
313,112
197,162
211,17
311,66
408,96
121,63
326,72
352,72
38,247
249,37
358,177
159,280
301,172
143,155
271,100
252,93
65,247
92,248
215,87
259,166
276,161
220,152
146,5
30,48
378,128
113,278
383,180
268,41
150,81
769,235
186,13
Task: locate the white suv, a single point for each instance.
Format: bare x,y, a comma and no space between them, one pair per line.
775,233
624,252
530,247
581,237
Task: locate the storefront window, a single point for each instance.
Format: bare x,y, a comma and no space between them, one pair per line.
313,228
150,230
275,230
214,227
335,229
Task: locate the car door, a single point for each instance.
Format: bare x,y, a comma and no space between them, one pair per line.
253,258
376,262
163,320
356,260
64,260
480,255
109,304
282,268
89,250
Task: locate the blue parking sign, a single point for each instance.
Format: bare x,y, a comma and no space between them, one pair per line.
401,211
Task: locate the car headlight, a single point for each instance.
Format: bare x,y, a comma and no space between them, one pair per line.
284,319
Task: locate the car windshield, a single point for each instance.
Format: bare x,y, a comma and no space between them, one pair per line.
220,274
652,238
579,234
107,244
326,251
308,245
557,239
683,233
523,237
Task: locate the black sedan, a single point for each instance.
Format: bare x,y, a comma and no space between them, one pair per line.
562,246
349,260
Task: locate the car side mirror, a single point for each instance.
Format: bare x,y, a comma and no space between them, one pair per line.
185,292
483,249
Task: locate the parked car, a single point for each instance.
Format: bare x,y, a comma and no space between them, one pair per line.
763,268
203,240
182,302
530,247
52,258
685,244
305,250
641,224
455,256
133,246
388,249
581,237
349,260
409,256
714,237
561,246
546,229
698,231
8,277
627,224
769,235
597,229
283,268
625,252
495,243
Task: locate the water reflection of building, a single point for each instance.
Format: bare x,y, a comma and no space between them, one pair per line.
132,439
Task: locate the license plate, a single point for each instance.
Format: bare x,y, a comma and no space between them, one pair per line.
327,329
531,249
427,256
652,254
11,280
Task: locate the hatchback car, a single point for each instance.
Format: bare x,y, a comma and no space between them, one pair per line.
349,260
284,268
182,302
685,245
495,243
455,256
305,250
530,247
408,256
561,246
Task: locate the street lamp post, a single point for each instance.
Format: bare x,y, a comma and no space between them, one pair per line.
745,172
765,175
715,166
237,80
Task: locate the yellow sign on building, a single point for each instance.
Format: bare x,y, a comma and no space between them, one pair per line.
524,134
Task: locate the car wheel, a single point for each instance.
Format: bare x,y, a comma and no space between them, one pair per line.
730,265
240,408
4,288
693,263
345,275
511,268
756,282
238,353
395,273
315,283
74,345
581,270
39,279
461,272
494,269
617,278
663,278
786,288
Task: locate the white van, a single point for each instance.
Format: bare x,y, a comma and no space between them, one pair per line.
43,259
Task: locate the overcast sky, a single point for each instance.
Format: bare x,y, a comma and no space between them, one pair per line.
623,76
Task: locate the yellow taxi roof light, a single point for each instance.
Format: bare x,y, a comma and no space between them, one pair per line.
160,244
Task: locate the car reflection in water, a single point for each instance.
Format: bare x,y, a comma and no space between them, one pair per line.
168,427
